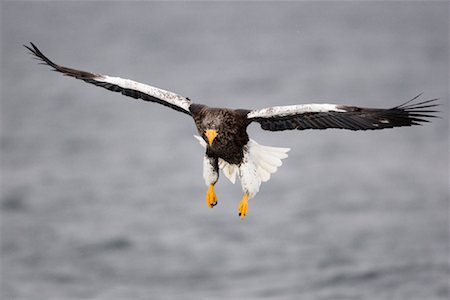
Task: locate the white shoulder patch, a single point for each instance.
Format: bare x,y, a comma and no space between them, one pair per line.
281,111
164,95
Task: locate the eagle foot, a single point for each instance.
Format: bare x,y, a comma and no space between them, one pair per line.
211,198
243,206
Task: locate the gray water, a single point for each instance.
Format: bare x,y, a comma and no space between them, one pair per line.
102,196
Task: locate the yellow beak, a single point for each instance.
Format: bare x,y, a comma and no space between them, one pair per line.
211,135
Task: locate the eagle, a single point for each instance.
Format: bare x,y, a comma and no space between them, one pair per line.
223,131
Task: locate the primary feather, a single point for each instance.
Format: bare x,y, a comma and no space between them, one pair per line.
323,116
116,84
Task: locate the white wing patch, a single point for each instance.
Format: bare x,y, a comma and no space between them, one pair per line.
258,165
280,111
167,96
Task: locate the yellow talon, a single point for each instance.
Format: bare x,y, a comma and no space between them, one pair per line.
211,198
243,206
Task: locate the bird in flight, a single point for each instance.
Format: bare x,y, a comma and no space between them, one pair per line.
223,131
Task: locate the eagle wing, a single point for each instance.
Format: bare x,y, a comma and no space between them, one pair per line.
116,84
323,116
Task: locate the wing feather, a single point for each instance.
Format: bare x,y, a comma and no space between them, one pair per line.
116,84
323,116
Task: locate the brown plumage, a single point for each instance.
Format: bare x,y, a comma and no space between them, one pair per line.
231,126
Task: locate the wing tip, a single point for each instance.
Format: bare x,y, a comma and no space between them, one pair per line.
37,54
417,105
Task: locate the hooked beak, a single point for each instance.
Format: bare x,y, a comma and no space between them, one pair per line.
211,135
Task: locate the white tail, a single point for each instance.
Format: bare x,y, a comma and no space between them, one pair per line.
264,159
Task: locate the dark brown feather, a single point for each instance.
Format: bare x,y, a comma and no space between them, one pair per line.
231,126
95,79
355,118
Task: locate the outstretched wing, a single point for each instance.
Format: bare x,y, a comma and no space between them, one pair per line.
116,84
323,116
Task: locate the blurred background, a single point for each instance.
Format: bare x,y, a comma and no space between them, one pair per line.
102,196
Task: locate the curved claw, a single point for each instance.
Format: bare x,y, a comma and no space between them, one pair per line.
211,198
243,206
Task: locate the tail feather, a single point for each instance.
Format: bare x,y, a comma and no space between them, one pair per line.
276,151
263,174
266,157
230,171
266,160
266,166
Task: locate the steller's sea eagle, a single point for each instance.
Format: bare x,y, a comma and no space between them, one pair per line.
223,131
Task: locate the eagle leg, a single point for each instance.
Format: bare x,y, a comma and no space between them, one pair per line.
243,206
211,198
